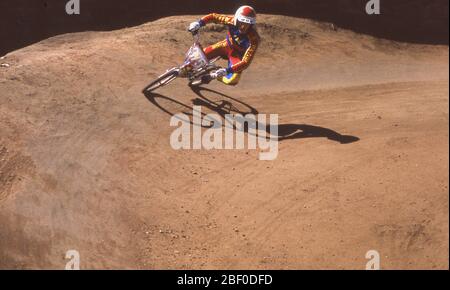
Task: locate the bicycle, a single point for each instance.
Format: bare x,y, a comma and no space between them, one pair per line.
195,66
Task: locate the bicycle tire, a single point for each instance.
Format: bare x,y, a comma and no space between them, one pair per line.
196,79
162,80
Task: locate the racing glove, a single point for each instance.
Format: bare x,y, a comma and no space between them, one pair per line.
194,26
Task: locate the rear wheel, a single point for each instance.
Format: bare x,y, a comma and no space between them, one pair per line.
197,79
195,83
162,80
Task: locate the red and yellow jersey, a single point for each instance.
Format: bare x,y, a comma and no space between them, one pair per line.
245,44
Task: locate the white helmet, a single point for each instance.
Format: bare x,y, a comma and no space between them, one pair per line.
245,14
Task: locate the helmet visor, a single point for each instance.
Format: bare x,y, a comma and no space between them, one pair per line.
245,19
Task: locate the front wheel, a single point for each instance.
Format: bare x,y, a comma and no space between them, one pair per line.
162,80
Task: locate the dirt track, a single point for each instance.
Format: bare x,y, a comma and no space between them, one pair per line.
86,164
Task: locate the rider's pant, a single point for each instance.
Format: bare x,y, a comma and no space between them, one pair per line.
223,50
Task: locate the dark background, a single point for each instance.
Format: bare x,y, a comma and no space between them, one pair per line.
23,22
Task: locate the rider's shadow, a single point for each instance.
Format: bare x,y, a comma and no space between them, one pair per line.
299,131
226,106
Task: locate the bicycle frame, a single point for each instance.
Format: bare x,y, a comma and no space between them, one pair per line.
196,60
195,55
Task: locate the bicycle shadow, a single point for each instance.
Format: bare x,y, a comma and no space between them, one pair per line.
226,105
229,105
